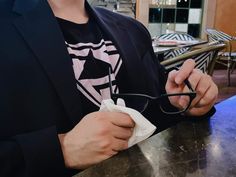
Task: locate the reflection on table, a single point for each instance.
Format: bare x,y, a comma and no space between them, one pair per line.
195,149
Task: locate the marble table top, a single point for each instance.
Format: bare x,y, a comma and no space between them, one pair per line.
203,148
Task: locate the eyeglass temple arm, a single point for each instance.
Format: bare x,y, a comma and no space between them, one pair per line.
110,83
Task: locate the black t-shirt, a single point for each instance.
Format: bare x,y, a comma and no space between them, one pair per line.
92,54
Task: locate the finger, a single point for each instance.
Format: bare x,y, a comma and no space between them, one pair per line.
203,109
122,120
109,153
202,87
185,71
172,75
112,153
184,101
199,111
195,77
209,97
119,144
122,132
170,84
172,87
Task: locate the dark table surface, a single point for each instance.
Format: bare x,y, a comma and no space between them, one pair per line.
205,148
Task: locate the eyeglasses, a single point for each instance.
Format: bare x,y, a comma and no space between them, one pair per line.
140,102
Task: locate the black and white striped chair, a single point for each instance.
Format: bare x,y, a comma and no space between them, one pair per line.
177,37
204,57
227,57
215,35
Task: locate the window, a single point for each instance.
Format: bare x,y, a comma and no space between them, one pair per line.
175,15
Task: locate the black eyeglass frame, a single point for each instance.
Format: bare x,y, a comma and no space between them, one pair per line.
191,95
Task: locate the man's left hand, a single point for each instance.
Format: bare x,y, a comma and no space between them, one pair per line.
205,88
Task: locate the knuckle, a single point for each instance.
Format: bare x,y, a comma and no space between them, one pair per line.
100,116
193,81
105,144
191,60
216,89
195,76
167,87
129,133
174,100
208,78
128,120
102,125
207,98
125,145
183,102
103,130
131,122
172,73
201,90
111,153
198,71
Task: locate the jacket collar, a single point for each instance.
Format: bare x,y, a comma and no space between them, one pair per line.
24,7
121,37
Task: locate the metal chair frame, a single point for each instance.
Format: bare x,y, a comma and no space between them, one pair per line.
205,58
179,37
228,55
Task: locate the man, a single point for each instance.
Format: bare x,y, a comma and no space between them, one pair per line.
55,57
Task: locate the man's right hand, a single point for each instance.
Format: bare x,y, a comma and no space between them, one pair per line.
98,136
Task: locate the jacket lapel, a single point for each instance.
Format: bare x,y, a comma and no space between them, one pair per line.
41,32
121,38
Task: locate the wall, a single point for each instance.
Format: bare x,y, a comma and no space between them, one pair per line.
225,17
183,19
142,11
208,20
219,14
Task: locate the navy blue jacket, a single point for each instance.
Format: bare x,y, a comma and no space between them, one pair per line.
38,94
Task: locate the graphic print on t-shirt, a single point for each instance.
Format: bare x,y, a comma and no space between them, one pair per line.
91,64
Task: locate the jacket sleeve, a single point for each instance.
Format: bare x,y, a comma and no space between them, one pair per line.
32,154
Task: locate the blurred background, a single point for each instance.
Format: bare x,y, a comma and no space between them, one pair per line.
165,16
188,17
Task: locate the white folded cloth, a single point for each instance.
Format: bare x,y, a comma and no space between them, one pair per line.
143,128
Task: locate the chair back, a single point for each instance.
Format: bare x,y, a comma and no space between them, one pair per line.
215,35
178,37
205,58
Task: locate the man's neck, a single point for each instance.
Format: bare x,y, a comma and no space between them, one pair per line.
72,10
